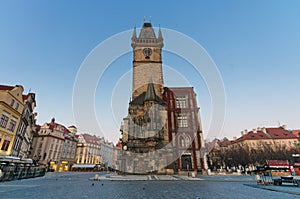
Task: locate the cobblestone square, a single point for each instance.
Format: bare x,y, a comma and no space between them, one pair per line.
78,185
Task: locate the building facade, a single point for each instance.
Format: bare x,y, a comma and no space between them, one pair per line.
185,129
150,132
48,144
26,128
68,156
88,149
270,143
107,153
11,108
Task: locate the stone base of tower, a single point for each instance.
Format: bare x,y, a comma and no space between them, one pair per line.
156,162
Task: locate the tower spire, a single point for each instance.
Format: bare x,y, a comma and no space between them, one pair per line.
150,93
134,32
159,33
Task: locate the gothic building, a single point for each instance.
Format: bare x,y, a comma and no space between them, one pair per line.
155,128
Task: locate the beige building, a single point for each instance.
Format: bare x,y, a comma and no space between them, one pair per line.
55,146
26,128
276,138
11,107
48,144
88,149
270,143
107,152
68,156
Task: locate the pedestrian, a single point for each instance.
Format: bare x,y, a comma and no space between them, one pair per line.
1,174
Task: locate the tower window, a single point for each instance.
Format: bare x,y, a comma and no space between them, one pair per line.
181,102
182,121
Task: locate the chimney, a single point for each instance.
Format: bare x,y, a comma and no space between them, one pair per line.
264,130
53,120
245,131
258,129
254,130
234,138
284,127
242,133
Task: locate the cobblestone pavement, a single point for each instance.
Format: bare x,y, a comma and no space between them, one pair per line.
78,185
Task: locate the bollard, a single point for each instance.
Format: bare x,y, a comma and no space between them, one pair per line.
193,175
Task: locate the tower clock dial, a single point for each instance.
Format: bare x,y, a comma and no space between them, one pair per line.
147,52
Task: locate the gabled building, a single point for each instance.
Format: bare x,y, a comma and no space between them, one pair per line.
48,144
88,149
11,109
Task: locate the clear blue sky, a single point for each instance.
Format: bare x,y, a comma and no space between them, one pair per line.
255,45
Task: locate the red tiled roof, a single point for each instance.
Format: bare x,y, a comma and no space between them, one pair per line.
92,139
253,136
224,143
54,125
4,87
296,133
280,133
72,126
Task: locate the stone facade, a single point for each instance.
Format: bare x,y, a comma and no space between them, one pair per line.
147,60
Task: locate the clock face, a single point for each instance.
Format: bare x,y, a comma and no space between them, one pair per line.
147,52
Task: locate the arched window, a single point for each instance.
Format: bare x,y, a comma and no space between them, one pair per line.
181,141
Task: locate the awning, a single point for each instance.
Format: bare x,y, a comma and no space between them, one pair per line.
278,163
84,166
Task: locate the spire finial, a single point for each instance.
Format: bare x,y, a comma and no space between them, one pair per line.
144,18
150,19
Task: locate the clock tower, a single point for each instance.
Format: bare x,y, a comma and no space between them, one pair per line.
147,60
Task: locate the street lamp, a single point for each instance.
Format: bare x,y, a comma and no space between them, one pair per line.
123,159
